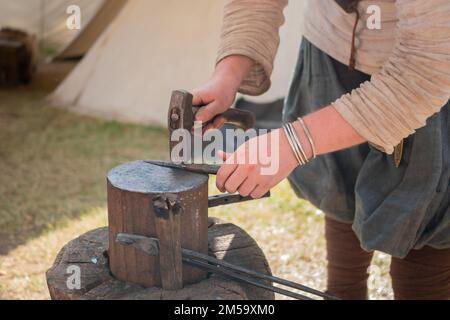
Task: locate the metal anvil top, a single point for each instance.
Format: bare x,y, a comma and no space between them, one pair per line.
143,177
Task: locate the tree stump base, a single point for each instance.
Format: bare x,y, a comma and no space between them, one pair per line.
88,255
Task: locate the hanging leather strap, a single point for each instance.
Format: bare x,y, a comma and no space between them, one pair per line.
351,6
352,62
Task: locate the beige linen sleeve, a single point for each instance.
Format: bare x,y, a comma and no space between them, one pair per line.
250,28
412,85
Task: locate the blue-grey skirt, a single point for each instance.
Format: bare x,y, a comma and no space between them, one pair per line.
392,209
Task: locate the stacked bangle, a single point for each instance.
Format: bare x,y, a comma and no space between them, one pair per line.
295,144
309,136
288,136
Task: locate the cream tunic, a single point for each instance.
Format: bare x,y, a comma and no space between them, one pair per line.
408,58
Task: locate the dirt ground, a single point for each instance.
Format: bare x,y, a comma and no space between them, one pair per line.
52,188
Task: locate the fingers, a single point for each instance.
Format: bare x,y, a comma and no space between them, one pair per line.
224,173
247,187
214,98
217,123
208,112
222,154
233,177
235,180
197,99
259,192
200,96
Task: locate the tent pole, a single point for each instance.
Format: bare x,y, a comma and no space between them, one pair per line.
42,25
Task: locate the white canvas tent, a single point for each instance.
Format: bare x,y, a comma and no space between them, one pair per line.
47,18
153,47
96,25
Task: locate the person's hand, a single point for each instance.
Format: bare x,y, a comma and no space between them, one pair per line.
256,178
218,93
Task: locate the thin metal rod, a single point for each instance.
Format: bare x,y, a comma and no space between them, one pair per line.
190,253
235,275
150,246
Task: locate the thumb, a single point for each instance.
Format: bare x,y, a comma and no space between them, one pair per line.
197,99
223,155
208,112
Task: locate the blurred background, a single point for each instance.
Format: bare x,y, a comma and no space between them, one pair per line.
75,102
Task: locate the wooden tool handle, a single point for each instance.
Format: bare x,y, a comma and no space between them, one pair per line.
240,118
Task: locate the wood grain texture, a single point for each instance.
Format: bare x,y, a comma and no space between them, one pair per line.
131,189
226,241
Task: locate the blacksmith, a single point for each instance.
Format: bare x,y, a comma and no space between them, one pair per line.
373,105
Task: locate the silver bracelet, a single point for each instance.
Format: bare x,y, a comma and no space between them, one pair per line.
292,144
309,136
297,143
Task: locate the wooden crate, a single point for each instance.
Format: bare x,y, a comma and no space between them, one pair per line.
17,56
11,52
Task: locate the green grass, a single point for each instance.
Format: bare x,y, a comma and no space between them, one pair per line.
53,164
52,188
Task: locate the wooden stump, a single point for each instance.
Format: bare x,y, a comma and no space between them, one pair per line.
88,253
142,199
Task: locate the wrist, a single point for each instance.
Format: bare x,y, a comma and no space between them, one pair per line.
303,139
286,151
298,138
234,69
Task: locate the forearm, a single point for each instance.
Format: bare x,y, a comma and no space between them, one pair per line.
234,68
330,132
251,28
412,84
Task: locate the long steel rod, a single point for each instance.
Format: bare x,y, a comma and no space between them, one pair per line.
190,253
235,275
151,247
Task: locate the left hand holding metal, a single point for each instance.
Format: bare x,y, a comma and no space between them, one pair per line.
254,178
